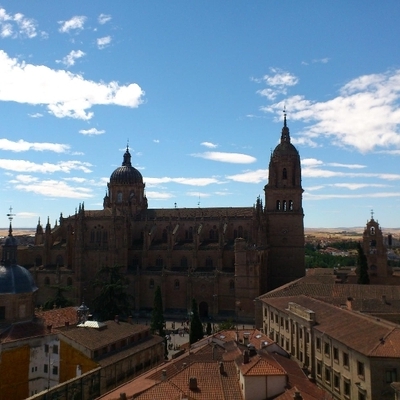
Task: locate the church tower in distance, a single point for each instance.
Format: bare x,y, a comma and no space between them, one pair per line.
284,214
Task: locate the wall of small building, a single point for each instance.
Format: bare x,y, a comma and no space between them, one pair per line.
71,359
262,387
384,371
14,364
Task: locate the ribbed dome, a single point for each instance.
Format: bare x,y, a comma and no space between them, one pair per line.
16,279
285,148
126,174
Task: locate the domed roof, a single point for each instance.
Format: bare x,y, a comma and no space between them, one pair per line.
285,148
126,174
16,279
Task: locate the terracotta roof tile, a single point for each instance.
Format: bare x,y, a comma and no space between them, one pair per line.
258,366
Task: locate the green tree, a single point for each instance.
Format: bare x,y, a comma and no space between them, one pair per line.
157,316
113,297
58,300
226,325
362,267
196,327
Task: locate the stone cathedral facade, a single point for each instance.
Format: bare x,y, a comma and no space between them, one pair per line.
222,257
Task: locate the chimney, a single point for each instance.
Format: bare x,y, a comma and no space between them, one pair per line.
122,396
246,357
245,339
193,383
297,396
221,368
163,374
349,303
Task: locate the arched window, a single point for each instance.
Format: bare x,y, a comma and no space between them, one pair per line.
176,284
47,280
284,205
372,230
69,281
211,234
290,205
98,237
209,262
231,284
151,284
105,236
119,197
278,204
189,234
184,262
159,261
284,173
59,260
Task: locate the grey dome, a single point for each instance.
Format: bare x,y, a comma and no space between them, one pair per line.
126,174
16,279
285,148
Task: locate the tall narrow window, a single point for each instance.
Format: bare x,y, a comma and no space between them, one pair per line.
290,205
278,204
119,197
284,173
284,205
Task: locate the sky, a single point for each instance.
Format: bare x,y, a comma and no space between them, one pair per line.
197,90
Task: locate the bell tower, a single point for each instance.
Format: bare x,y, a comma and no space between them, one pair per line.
284,214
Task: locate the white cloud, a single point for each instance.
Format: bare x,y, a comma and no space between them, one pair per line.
350,166
36,115
311,172
182,181
308,196
364,115
256,176
277,83
64,93
26,215
22,145
234,158
76,22
209,144
103,18
356,186
103,42
198,194
50,188
158,195
16,26
30,167
156,140
69,59
92,131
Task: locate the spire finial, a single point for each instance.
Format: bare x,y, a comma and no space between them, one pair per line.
10,216
372,215
284,116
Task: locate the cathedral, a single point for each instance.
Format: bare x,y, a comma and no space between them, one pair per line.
222,257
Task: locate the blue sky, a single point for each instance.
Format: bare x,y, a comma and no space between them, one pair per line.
198,89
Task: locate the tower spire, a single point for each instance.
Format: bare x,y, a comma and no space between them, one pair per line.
285,137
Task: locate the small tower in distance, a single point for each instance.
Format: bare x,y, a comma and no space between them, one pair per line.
375,250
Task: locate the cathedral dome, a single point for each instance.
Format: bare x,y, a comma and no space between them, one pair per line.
16,279
285,148
126,174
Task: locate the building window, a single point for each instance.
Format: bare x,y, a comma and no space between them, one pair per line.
301,333
151,284
231,284
46,348
319,368
184,262
361,396
55,349
290,205
287,325
284,205
45,368
282,322
272,316
159,262
336,381
346,362
176,284
55,370
360,369
327,349
346,387
391,375
318,344
276,318
278,205
327,375
2,313
336,354
209,262
119,197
